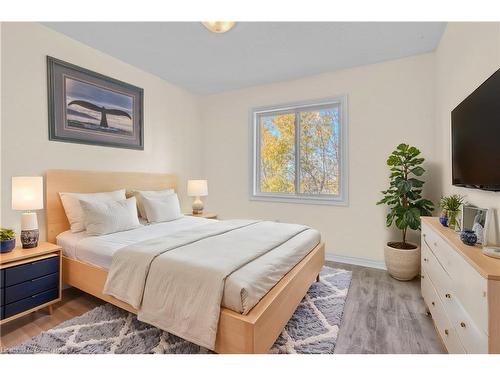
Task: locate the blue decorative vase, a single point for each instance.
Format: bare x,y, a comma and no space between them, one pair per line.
468,237
7,245
443,220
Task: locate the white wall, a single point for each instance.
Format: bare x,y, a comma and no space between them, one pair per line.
389,103
466,56
171,117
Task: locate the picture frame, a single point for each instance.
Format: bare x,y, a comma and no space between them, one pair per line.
90,108
475,219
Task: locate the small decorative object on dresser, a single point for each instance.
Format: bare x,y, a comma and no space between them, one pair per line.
452,204
474,219
197,189
406,205
491,235
7,240
443,218
468,237
27,195
30,280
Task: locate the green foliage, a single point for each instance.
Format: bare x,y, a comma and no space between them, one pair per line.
451,202
319,152
404,195
6,234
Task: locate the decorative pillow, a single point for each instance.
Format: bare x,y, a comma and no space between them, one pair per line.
110,217
73,209
162,209
155,194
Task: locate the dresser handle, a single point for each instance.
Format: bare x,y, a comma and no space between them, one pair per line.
447,295
433,303
446,332
426,260
462,324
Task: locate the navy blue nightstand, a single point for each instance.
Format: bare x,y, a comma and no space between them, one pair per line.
30,279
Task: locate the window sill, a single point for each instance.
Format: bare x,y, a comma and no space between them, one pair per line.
301,200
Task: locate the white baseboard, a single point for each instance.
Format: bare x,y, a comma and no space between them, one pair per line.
356,261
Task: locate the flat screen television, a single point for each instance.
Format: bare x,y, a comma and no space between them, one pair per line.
475,133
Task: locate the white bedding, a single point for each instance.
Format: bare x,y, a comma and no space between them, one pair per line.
243,288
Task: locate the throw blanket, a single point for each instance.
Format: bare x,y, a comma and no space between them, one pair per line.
177,282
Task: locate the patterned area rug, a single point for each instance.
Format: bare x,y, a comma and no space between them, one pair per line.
313,327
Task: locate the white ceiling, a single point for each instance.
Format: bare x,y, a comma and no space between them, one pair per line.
253,53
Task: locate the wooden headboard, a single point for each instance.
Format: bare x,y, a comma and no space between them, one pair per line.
73,181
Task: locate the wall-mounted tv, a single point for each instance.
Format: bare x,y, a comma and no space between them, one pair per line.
475,129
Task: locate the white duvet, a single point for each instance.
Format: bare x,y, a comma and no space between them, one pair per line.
177,282
243,288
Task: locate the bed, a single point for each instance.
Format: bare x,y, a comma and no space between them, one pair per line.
258,299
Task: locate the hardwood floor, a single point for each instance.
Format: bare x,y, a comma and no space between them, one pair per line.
382,315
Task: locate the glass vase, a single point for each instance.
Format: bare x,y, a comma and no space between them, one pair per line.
452,220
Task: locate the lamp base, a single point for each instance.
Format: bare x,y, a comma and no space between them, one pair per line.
29,230
197,206
29,238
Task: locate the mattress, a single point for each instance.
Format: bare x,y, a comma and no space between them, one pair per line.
243,288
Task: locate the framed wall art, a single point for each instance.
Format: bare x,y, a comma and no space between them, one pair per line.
90,108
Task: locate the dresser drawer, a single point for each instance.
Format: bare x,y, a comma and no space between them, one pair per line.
30,302
31,287
444,327
441,280
29,271
474,340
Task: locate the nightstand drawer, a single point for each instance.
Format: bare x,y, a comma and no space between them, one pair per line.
30,302
29,271
2,278
2,295
28,288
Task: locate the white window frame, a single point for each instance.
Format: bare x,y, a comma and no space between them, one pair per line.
255,194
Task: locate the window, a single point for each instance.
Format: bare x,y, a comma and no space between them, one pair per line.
299,152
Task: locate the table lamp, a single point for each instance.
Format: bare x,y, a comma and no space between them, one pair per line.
27,195
197,189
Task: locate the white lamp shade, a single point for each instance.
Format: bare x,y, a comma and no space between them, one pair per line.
197,188
27,193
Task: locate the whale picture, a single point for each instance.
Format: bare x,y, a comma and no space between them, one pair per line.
91,107
87,107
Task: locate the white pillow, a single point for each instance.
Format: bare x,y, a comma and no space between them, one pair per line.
74,212
156,194
110,217
162,209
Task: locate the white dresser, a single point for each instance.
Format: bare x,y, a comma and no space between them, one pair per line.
461,288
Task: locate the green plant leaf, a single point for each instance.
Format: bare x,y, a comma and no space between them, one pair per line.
417,171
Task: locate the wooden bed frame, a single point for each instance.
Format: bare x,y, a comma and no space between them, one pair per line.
255,332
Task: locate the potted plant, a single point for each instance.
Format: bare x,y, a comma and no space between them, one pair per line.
406,205
451,205
7,240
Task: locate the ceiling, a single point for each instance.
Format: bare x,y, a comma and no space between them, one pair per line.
253,53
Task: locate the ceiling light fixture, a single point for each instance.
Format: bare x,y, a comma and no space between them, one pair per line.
219,27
